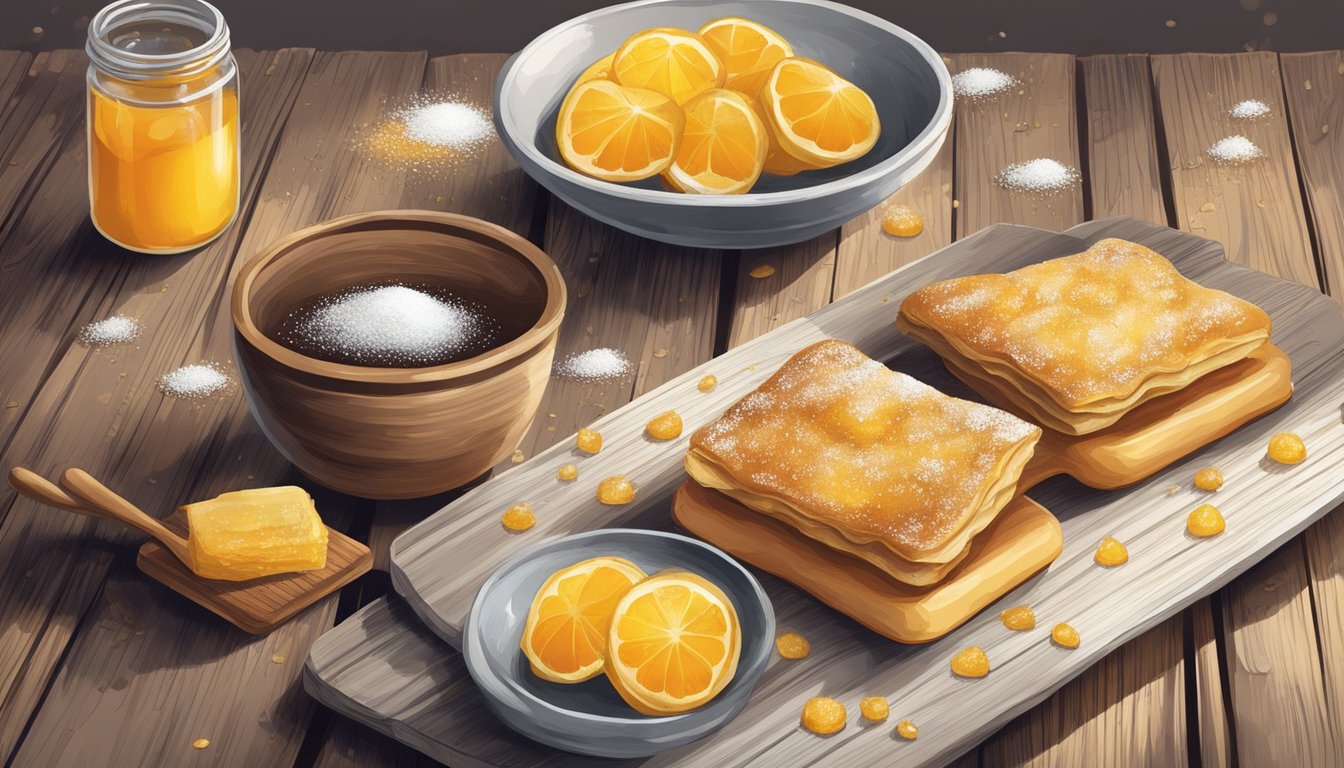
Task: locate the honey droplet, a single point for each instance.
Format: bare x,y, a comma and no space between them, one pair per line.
567,472
1019,618
1205,521
792,646
1064,636
664,426
1111,552
1287,448
588,441
615,490
277,659
200,744
708,383
902,221
907,730
972,662
517,457
1209,479
874,708
823,715
660,352
761,271
519,517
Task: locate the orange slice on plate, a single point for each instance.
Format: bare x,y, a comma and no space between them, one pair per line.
598,70
674,644
818,116
615,133
671,61
565,637
722,147
748,50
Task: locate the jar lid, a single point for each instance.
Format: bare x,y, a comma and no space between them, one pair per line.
141,40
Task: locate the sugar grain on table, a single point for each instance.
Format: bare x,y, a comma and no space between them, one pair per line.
451,124
117,329
979,82
1235,150
602,364
1250,109
1039,176
430,133
193,382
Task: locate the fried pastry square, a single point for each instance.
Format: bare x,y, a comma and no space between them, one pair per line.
1079,341
866,460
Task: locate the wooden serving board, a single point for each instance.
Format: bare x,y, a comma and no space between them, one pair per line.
257,605
382,669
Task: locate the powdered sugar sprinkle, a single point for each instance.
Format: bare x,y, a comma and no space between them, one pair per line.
980,82
1235,150
594,365
1250,109
1039,176
193,382
117,329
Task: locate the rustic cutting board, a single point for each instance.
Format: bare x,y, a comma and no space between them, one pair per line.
382,669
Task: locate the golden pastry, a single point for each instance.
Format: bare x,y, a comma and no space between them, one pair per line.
1079,341
867,461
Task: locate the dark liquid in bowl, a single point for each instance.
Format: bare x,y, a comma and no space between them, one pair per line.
391,325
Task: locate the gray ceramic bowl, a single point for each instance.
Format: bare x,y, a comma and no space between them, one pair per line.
590,718
905,77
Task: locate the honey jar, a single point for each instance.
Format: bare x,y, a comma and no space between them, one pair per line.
162,124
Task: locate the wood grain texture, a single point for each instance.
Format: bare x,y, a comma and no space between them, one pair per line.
13,68
105,414
1129,709
1123,174
1035,119
1168,571
1216,748
1313,85
799,281
1256,212
867,253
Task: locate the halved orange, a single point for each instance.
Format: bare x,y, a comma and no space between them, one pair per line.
674,62
615,133
565,637
818,116
598,70
748,50
722,147
777,161
674,643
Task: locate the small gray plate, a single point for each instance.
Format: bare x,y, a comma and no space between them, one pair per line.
590,718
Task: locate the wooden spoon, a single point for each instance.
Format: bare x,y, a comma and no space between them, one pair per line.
85,495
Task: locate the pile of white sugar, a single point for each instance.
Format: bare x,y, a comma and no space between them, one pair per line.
192,382
1250,109
395,324
1235,150
1039,176
979,82
452,125
117,329
602,364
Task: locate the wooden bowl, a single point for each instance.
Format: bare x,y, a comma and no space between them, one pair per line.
397,433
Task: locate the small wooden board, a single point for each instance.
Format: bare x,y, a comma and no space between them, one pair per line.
1022,540
258,605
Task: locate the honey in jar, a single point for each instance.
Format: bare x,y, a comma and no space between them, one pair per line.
162,124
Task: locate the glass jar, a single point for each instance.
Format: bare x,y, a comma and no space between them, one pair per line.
162,124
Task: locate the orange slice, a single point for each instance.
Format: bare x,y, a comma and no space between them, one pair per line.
777,161
722,147
615,133
818,116
674,643
598,70
565,637
671,61
748,51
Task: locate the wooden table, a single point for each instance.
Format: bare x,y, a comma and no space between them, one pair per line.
101,666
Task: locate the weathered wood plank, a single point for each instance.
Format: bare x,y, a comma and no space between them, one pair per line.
1036,119
1313,84
42,102
867,253
1256,212
777,285
1216,749
1128,708
161,452
13,68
